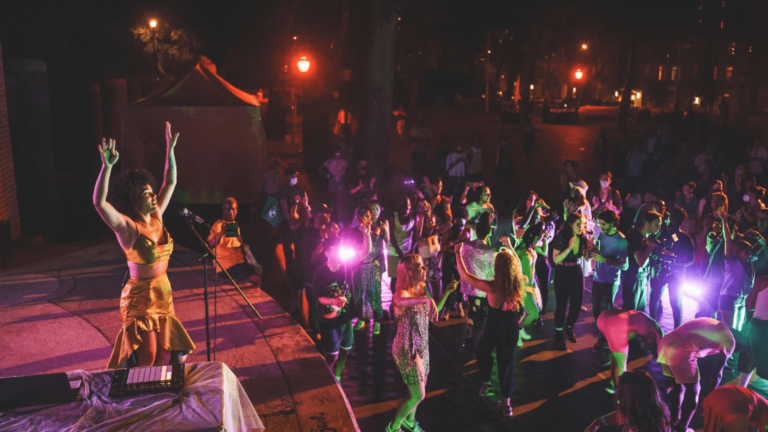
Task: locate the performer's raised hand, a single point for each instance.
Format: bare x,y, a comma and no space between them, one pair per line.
108,152
170,140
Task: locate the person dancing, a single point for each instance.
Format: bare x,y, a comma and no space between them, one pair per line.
414,309
151,334
505,299
528,251
732,408
569,246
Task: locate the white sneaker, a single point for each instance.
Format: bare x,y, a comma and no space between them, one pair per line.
524,335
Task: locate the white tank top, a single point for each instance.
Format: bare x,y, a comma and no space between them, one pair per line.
761,305
402,234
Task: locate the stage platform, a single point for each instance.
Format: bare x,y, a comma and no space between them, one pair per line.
62,314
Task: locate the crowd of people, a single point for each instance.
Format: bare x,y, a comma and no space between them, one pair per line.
450,252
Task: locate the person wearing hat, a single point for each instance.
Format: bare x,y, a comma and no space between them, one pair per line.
232,253
577,200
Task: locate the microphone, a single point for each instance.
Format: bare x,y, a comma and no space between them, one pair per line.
189,214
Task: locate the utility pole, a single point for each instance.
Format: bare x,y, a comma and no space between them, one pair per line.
488,74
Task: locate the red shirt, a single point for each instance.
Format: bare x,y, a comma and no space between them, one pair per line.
728,403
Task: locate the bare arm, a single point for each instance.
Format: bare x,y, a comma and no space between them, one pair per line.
468,277
559,256
403,300
463,199
727,241
611,419
448,290
169,179
419,226
217,232
117,222
543,249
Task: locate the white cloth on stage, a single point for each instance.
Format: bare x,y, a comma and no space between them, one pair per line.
212,400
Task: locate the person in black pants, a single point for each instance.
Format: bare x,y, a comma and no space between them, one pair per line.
448,262
634,281
505,300
543,273
569,245
671,273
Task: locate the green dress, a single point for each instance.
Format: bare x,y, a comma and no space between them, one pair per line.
367,281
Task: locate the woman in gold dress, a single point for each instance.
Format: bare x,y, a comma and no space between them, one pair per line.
151,334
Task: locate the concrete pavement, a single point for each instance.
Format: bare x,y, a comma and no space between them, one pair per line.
62,314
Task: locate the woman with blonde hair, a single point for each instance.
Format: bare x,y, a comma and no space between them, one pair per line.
414,309
505,298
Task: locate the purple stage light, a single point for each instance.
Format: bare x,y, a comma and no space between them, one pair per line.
692,290
346,253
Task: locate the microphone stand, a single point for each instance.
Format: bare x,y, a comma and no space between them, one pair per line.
210,253
204,259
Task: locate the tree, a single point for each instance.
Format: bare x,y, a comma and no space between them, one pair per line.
379,78
172,49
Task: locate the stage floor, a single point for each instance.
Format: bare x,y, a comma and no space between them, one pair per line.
558,391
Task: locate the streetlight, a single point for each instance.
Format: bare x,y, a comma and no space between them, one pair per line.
303,65
579,74
584,47
153,29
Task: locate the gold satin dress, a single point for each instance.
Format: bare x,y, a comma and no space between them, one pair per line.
146,304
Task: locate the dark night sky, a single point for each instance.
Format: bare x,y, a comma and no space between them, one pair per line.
95,36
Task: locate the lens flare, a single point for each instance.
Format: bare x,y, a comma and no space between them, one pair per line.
346,253
691,289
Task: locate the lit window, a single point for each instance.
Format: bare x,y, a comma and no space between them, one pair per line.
728,73
661,73
714,75
674,74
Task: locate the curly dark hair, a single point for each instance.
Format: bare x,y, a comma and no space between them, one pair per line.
127,188
531,233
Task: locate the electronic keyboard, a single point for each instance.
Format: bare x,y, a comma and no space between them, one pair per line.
145,380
